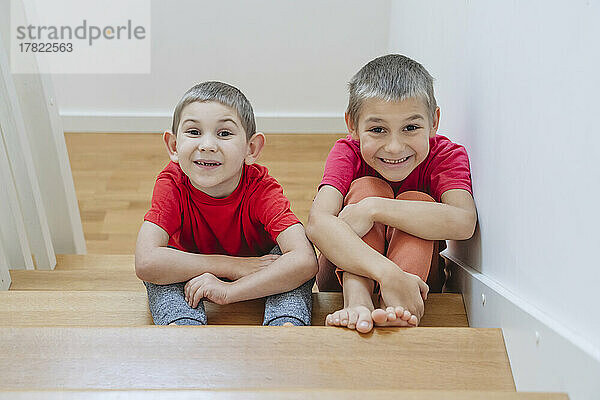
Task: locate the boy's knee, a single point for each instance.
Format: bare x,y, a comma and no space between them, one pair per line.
368,186
415,195
294,306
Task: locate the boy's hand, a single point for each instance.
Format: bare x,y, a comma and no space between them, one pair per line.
399,288
251,265
358,217
206,286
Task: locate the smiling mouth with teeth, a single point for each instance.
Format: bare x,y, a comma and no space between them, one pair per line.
207,163
398,161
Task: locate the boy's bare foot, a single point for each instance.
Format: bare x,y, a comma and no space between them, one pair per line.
406,292
356,317
358,305
393,316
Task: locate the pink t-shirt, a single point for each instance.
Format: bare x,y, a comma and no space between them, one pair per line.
446,167
246,223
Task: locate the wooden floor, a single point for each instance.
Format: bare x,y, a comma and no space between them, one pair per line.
114,176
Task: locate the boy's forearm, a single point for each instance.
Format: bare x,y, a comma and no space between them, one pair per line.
342,246
288,272
165,265
427,220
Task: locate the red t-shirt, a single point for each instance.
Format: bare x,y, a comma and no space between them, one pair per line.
446,167
244,224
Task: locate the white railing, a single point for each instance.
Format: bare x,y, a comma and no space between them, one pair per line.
38,207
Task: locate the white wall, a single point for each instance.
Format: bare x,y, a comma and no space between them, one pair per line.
518,83
289,58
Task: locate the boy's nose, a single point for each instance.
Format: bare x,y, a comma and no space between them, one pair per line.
394,145
207,143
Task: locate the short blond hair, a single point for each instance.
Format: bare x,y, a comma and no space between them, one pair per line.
390,78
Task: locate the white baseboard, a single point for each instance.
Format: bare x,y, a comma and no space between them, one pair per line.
544,354
157,122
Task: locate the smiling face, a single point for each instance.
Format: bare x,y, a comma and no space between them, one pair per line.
394,136
210,146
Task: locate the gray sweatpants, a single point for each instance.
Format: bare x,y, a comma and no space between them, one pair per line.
167,305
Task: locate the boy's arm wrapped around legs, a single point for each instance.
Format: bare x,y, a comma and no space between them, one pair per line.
341,245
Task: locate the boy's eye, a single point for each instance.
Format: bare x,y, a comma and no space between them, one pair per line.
193,132
377,129
411,128
224,134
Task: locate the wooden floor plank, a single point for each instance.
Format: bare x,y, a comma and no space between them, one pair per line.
115,280
72,262
278,394
253,358
122,308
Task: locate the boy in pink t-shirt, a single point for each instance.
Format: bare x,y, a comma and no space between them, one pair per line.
219,227
390,191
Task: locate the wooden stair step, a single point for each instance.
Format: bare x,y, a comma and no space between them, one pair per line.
250,358
278,394
73,262
112,308
92,279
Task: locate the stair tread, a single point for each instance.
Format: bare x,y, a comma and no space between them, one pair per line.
70,262
242,357
130,308
84,279
282,394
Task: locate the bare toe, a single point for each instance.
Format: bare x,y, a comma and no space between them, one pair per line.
329,320
352,318
399,312
406,316
391,313
364,323
379,316
336,318
413,320
343,317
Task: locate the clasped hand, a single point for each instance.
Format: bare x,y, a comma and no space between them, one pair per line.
358,216
213,289
206,286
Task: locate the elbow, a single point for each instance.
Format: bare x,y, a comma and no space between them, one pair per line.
312,267
141,268
309,263
312,227
144,268
468,227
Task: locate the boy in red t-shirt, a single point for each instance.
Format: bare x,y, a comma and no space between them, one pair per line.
219,227
397,185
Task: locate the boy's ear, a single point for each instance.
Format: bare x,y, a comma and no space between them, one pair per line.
255,146
351,126
436,122
170,140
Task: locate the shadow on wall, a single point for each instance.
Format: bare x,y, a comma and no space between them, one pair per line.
468,251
